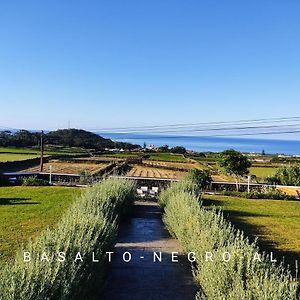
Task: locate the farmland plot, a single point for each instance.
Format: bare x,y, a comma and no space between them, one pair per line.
172,165
141,171
69,168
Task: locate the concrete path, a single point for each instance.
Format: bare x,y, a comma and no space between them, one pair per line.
141,278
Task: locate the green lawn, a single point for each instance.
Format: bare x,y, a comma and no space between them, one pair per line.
26,211
276,223
170,157
263,172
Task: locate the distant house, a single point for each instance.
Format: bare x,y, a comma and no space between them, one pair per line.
262,160
151,147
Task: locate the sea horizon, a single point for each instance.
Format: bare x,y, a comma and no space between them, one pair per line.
210,143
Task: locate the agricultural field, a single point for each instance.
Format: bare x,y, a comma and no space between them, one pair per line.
141,171
69,167
263,172
26,211
169,157
276,223
173,165
17,150
98,159
5,157
121,155
48,150
19,154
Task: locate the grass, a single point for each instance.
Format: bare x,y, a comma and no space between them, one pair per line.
11,154
275,222
263,172
170,157
88,227
17,150
26,211
4,157
120,155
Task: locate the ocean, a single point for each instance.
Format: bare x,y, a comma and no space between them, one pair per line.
213,144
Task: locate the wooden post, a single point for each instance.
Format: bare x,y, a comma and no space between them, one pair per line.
42,152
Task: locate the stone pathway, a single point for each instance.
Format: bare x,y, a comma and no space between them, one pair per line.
141,278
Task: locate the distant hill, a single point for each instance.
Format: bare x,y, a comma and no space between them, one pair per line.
77,138
62,137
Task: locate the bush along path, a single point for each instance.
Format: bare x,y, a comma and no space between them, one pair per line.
227,266
61,265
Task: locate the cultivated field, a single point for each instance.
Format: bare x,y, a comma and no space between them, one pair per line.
174,165
168,157
121,155
4,157
69,167
98,158
26,211
275,222
263,172
141,171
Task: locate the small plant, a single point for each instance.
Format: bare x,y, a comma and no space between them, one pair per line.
271,194
85,177
33,181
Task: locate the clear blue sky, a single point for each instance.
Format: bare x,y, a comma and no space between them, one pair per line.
131,63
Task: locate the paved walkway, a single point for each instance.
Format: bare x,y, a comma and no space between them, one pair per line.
141,278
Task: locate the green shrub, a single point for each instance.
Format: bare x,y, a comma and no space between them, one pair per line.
200,177
272,194
199,230
33,181
286,176
185,185
88,226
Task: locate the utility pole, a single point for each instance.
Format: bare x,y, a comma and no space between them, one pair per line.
50,175
42,152
249,177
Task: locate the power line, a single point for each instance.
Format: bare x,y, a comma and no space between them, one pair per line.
259,133
183,125
189,130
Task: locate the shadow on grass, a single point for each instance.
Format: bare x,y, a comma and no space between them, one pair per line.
265,244
16,201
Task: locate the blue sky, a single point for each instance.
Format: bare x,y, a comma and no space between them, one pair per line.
132,63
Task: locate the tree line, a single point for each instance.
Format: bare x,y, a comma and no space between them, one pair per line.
62,137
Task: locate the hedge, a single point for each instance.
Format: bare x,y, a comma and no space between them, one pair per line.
202,230
88,226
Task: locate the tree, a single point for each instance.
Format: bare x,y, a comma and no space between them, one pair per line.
234,163
286,176
164,148
200,177
179,150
